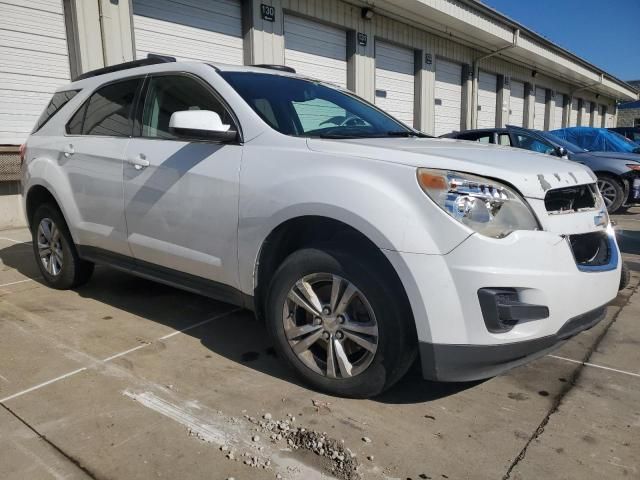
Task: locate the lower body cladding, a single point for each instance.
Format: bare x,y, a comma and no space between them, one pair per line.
493,304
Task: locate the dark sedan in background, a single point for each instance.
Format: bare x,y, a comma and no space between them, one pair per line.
618,173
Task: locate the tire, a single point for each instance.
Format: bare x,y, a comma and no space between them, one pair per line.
612,191
376,310
625,277
59,263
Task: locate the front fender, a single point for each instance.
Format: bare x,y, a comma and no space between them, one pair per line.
382,200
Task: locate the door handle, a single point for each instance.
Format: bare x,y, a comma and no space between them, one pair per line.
68,150
139,162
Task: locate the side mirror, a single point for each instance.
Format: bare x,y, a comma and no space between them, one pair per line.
561,152
202,125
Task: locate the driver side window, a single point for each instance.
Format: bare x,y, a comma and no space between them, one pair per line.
531,143
174,93
319,113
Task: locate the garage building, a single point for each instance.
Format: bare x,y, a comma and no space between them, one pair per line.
438,66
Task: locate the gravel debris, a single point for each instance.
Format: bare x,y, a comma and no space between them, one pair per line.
366,439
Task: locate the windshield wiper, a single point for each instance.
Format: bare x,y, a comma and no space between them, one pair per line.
407,133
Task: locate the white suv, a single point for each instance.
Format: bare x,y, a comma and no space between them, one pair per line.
359,241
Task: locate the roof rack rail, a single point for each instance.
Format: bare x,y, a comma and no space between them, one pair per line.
281,68
152,59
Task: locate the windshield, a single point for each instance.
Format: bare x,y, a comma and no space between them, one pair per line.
571,147
626,144
306,108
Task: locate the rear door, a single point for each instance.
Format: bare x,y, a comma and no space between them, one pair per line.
94,148
181,196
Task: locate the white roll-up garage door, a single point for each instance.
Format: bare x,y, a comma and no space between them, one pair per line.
316,50
586,116
597,118
573,115
189,30
448,97
35,62
558,110
487,98
539,109
395,80
516,104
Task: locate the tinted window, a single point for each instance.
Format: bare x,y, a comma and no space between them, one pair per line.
108,111
531,143
476,137
300,107
74,126
504,139
59,100
169,94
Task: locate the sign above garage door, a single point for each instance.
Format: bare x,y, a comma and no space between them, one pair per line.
199,30
316,50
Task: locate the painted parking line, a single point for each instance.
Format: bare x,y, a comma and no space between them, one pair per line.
117,355
20,281
15,241
602,367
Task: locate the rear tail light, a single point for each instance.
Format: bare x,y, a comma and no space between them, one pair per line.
23,152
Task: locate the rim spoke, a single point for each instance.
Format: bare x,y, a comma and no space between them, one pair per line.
44,250
307,291
304,344
296,332
364,328
49,265
45,227
298,300
343,361
336,284
363,342
331,363
347,295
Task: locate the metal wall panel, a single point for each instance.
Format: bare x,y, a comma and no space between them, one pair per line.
585,121
516,104
573,114
316,50
539,108
189,30
35,62
447,97
395,80
487,98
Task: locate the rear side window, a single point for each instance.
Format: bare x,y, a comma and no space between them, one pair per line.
107,112
59,100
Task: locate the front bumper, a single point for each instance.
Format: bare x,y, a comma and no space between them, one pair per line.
455,343
465,363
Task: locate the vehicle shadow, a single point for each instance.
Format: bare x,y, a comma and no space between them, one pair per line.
239,336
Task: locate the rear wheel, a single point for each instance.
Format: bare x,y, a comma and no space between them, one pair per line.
337,323
55,252
612,192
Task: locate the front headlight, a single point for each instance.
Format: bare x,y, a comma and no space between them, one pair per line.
482,204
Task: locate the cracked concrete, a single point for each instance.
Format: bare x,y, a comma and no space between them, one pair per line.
550,419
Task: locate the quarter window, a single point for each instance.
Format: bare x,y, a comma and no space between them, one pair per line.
172,93
59,100
107,112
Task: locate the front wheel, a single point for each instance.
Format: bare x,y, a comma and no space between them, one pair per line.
338,324
612,192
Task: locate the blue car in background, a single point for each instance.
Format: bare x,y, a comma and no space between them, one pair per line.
618,172
598,140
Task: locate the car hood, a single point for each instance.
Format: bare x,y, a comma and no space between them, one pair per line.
634,157
531,173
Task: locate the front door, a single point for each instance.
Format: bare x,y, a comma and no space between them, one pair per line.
181,196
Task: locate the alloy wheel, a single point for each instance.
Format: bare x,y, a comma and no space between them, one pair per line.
50,246
608,191
330,325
